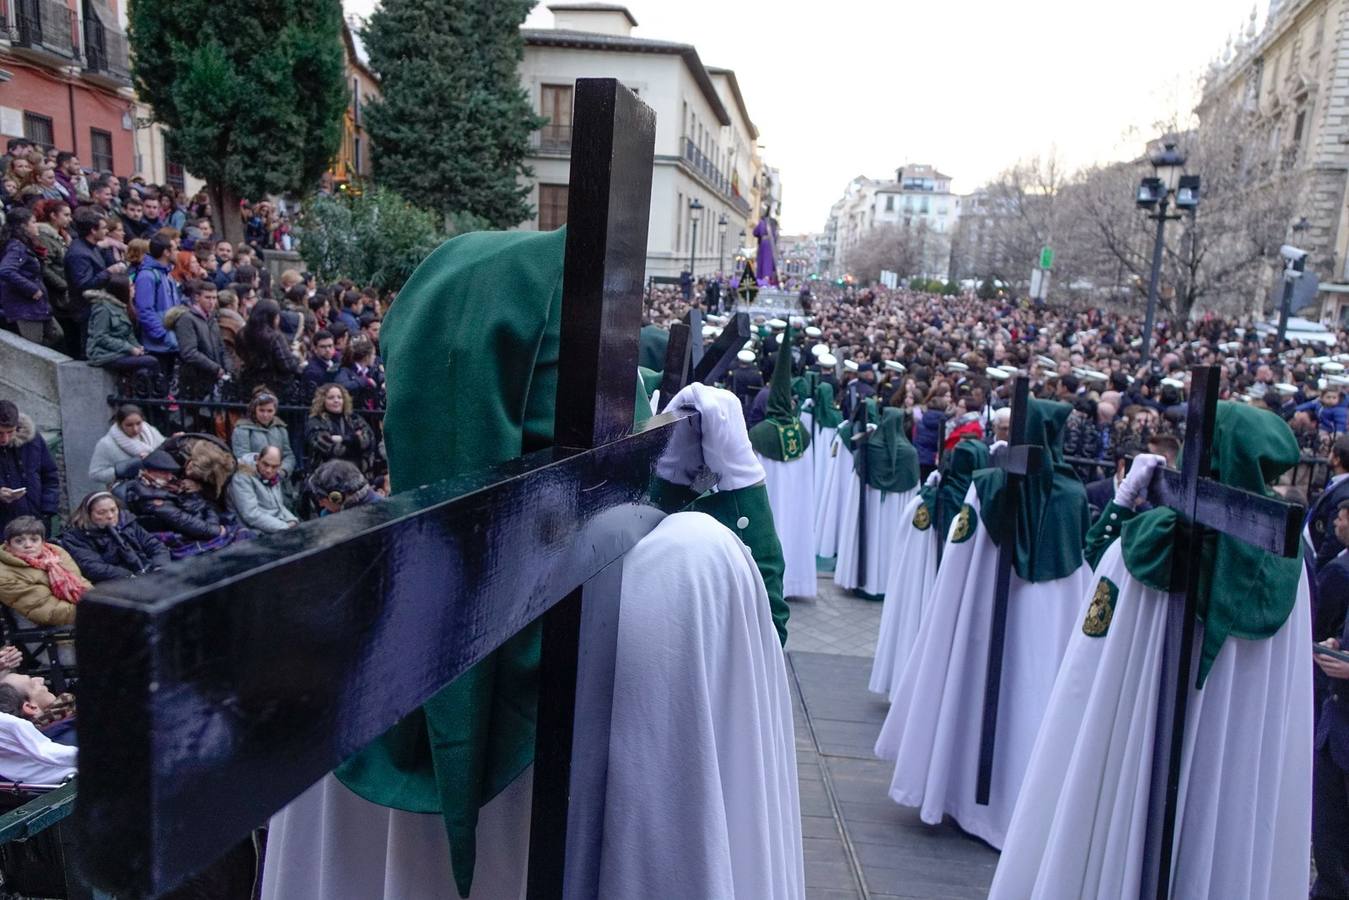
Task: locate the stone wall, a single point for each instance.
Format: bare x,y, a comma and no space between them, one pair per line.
278,261
66,398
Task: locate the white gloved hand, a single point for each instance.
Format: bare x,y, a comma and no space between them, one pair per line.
933,479
1134,487
997,445
725,440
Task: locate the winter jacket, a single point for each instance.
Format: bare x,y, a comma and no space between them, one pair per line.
317,373
124,550
156,294
201,353
54,266
927,434
1328,418
111,335
231,325
157,510
367,391
250,437
275,366
357,446
86,269
259,506
108,456
23,296
28,592
27,463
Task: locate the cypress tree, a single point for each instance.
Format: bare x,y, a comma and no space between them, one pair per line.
451,129
252,91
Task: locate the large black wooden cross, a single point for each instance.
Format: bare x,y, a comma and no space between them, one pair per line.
216,692
1019,460
1203,503
686,361
859,435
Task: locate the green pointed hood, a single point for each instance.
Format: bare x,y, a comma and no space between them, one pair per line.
1051,516
471,351
891,461
1243,591
652,346
825,413
957,470
780,435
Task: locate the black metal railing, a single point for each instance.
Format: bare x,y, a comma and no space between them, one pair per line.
551,139
699,162
105,50
46,25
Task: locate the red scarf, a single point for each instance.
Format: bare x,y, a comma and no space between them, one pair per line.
65,584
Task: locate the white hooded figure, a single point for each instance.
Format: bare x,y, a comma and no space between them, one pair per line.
913,564
934,725
1244,816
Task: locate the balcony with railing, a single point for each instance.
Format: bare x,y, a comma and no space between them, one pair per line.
696,160
105,52
551,140
42,28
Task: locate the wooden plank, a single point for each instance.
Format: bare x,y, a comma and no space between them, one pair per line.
677,364
718,359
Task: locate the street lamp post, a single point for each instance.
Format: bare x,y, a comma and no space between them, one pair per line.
695,213
1156,193
721,258
1295,264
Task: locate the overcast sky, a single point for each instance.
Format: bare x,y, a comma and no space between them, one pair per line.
852,87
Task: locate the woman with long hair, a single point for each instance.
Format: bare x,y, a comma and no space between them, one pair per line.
23,295
112,342
53,234
266,354
261,428
333,431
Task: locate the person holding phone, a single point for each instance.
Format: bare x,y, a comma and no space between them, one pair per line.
29,483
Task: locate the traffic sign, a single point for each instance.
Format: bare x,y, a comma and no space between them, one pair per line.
1046,257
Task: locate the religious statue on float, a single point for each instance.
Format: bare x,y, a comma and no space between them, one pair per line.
766,260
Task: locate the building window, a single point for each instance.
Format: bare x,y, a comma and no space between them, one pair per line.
890,203
552,206
555,106
100,149
38,129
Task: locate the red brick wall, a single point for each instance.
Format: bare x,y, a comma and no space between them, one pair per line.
47,93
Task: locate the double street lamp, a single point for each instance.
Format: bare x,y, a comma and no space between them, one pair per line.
1156,193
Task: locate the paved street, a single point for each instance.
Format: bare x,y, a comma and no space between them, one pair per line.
859,844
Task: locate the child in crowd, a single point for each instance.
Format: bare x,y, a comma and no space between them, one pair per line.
38,580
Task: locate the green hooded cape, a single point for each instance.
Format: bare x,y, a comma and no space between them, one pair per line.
780,435
651,348
957,469
891,461
1051,517
825,413
1243,590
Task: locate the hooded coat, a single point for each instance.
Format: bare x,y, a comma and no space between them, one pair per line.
27,591
124,550
27,463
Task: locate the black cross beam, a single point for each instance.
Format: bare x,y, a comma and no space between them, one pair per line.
936,498
1203,503
694,319
859,437
1019,459
217,691
710,365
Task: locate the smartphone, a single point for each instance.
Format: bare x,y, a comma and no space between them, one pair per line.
18,492
1341,655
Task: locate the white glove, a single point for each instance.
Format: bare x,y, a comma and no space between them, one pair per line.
808,404
1134,487
933,479
725,440
997,445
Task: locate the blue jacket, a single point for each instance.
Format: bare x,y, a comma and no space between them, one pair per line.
86,269
926,434
27,463
1328,418
20,280
1332,727
156,294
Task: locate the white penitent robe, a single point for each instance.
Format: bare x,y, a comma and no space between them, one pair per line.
884,512
908,591
821,445
1244,822
701,790
932,731
791,495
829,497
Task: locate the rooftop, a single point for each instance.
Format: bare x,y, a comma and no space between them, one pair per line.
593,7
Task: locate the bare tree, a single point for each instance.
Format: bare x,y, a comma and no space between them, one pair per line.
887,247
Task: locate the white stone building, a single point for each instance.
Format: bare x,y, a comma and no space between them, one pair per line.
705,139
919,201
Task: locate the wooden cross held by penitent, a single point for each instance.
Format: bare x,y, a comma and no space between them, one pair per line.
1203,503
1019,460
217,691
